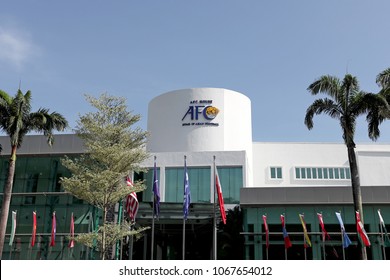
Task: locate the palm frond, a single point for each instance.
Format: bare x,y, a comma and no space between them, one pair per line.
320,106
383,78
329,85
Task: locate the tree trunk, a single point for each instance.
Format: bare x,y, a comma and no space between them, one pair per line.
356,191
7,199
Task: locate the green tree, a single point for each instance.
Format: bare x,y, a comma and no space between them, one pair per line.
113,149
345,103
17,120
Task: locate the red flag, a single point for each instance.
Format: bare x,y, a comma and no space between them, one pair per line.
322,225
266,231
220,197
53,230
132,203
361,230
287,242
34,229
71,241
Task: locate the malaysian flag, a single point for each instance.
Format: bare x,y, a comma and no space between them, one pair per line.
132,203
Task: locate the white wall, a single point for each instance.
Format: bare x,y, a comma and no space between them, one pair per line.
230,130
373,162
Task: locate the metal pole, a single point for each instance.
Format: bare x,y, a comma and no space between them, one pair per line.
184,239
214,214
152,242
383,243
323,247
342,244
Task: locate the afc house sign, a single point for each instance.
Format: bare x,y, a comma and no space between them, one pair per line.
200,113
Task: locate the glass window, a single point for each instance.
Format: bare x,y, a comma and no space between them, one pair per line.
336,173
297,173
342,173
308,173
347,173
147,194
276,172
314,173
199,180
330,173
325,173
303,173
319,170
231,181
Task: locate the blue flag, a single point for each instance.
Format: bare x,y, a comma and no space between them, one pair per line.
156,191
346,240
187,194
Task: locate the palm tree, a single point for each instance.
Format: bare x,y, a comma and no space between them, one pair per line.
383,79
16,120
345,103
379,114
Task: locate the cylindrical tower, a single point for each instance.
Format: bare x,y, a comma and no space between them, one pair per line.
200,119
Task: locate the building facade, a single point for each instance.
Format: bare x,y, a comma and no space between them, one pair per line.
210,129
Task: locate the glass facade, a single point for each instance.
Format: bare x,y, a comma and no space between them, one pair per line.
37,188
331,249
200,184
199,180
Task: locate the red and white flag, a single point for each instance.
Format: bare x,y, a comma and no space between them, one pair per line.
362,232
220,197
266,231
53,230
34,229
322,225
71,241
132,203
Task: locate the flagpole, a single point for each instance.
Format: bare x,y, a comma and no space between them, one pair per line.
184,239
323,241
214,214
184,217
152,242
153,214
342,244
382,238
383,243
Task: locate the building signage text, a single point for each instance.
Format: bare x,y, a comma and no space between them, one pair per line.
200,112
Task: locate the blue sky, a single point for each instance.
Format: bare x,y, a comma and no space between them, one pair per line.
268,50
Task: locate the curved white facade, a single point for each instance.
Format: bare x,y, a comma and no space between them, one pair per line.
200,119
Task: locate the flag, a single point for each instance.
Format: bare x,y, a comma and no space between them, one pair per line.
71,241
266,231
156,191
13,228
132,203
362,232
307,239
383,226
53,230
287,242
34,229
220,197
187,193
322,225
346,240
